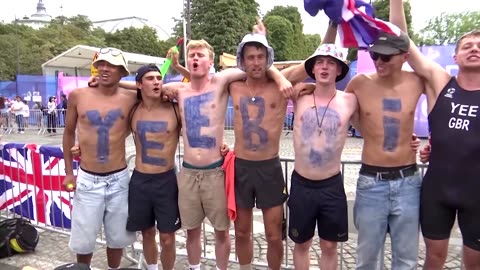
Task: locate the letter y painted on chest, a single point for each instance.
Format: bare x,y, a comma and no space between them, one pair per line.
103,128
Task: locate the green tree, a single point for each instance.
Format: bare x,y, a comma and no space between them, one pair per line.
310,45
295,46
382,10
8,55
280,36
137,40
24,49
177,30
64,33
222,23
448,28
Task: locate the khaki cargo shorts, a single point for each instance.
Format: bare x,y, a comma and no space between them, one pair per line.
201,193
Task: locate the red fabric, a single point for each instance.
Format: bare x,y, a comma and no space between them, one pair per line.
229,168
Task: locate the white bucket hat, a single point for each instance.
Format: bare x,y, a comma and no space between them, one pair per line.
254,38
114,57
327,50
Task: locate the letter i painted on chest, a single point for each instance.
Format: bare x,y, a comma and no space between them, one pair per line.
391,125
144,127
103,128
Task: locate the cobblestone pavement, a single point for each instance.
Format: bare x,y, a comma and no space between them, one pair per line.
53,246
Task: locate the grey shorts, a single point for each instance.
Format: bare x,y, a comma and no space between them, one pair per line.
100,200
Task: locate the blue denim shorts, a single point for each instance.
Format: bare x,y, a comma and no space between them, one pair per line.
100,200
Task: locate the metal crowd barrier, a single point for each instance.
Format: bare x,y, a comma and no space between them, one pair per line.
41,122
287,123
48,186
37,121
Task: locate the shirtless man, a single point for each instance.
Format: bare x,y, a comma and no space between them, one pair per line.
317,195
203,104
258,123
153,191
451,185
100,118
388,187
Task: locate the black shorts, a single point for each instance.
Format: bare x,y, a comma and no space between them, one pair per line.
441,203
153,198
320,202
261,182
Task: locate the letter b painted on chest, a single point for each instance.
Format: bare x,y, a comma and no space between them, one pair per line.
252,126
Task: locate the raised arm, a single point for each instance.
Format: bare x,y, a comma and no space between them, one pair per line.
331,34
435,76
397,15
297,74
176,65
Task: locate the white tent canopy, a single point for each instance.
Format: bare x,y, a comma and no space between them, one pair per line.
76,61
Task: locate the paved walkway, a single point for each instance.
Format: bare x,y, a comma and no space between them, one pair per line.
53,251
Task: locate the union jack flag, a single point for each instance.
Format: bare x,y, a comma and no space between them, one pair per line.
357,25
31,179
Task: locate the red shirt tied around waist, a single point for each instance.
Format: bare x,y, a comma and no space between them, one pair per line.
229,168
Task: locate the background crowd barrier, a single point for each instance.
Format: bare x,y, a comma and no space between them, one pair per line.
37,121
41,122
31,179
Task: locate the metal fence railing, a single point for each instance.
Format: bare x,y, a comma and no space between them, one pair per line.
32,191
287,122
35,121
42,122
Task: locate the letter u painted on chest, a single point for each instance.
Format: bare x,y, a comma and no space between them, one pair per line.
195,120
103,128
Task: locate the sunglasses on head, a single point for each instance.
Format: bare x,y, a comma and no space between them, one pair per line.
384,57
113,52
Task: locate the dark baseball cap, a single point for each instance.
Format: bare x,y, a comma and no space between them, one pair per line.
388,44
144,70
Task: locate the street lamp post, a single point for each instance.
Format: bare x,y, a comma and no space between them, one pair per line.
17,69
187,28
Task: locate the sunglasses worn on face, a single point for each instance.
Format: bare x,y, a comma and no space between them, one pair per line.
385,58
